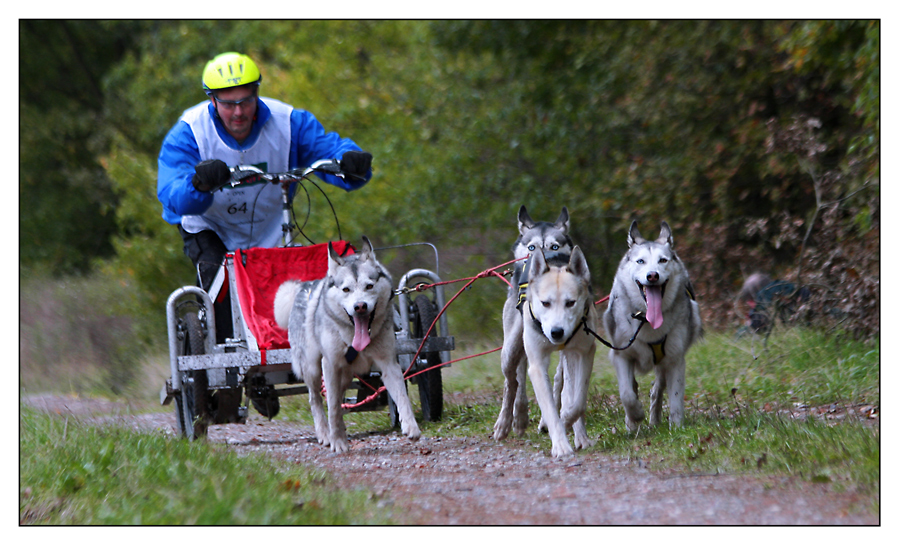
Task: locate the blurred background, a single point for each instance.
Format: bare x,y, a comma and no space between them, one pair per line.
757,141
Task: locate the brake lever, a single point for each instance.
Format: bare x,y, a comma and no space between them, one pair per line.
244,173
328,166
353,176
333,167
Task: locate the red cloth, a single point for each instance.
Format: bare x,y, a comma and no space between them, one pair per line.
259,272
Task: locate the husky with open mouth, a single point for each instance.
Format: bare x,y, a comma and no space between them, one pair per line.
338,327
651,286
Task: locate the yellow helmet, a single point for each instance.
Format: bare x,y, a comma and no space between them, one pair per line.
229,70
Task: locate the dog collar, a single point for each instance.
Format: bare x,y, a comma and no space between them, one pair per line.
351,354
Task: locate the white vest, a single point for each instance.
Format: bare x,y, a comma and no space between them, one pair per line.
246,216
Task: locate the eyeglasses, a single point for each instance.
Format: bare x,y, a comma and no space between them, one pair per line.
231,104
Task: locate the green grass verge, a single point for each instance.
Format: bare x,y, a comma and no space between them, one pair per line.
72,473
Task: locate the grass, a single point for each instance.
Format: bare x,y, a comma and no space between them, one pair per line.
75,474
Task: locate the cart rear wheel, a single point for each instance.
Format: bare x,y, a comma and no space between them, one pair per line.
430,383
393,411
192,415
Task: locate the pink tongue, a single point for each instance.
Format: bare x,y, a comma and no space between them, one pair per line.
654,306
360,332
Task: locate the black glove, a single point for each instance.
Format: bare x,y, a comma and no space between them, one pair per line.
211,175
356,163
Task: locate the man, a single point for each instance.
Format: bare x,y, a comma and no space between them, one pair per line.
767,299
238,127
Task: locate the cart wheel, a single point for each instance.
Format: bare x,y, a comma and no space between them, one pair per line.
430,384
394,412
192,414
225,406
268,405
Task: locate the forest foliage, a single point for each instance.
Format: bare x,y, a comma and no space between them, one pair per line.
757,141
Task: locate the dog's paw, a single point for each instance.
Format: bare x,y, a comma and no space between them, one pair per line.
412,431
582,442
632,424
520,423
340,445
562,450
323,437
634,414
542,426
675,420
501,429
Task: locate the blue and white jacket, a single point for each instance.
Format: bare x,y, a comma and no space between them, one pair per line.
282,138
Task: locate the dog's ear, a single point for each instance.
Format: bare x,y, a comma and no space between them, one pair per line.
538,264
367,249
578,265
665,234
334,260
525,221
634,236
563,221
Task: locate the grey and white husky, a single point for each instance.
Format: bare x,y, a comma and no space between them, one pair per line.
558,305
339,326
550,237
652,283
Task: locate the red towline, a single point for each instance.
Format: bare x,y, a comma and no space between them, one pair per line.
490,272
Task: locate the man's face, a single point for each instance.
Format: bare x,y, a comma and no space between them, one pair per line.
237,108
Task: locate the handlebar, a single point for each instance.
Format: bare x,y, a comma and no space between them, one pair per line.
245,174
248,174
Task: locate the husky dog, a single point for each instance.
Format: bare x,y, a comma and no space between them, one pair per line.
558,305
651,285
549,237
339,326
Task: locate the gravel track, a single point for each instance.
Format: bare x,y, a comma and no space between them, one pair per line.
477,481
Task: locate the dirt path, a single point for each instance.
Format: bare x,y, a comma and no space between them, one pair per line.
476,481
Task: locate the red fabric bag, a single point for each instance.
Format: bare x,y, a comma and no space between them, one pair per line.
259,272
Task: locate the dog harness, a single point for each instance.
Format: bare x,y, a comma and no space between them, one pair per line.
659,350
520,272
659,347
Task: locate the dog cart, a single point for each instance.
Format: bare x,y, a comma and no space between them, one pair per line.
214,383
